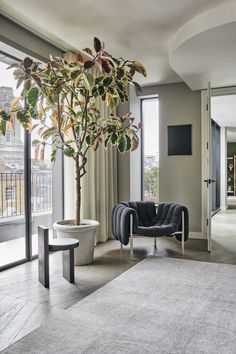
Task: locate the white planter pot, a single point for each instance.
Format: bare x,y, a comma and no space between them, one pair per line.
85,233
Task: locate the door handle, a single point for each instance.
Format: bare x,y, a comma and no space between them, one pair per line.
209,181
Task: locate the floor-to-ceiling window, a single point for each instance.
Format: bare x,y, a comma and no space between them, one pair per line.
150,149
27,191
12,173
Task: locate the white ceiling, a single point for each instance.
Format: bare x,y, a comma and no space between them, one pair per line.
204,49
223,110
134,29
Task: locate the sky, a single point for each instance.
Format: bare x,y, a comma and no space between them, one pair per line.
151,126
7,79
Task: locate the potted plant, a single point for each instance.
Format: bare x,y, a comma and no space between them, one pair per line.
66,93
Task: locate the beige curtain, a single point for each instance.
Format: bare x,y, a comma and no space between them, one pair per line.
99,189
99,185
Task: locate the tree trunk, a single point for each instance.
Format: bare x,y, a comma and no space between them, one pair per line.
78,193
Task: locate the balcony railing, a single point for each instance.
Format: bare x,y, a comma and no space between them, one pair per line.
12,201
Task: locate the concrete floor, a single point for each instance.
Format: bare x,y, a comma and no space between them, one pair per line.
25,304
224,237
14,250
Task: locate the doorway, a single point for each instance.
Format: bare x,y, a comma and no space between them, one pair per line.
223,133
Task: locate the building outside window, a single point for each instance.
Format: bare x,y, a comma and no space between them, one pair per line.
10,193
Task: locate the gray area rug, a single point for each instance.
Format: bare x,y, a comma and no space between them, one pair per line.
161,305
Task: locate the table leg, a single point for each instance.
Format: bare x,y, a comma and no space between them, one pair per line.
43,256
68,265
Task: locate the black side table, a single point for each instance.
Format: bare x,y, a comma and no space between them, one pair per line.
66,245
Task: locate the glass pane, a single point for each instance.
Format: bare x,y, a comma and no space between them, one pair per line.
41,189
12,218
150,119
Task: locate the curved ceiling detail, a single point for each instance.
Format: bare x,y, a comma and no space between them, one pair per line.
204,49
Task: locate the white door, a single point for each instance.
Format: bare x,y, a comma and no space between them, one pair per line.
207,165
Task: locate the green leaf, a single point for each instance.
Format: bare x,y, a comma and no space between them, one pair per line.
32,96
121,95
3,126
139,68
36,142
129,143
114,138
98,80
48,132
90,139
53,155
107,81
94,91
18,74
27,85
69,151
113,103
89,80
101,90
75,74
33,112
22,116
120,85
122,145
5,116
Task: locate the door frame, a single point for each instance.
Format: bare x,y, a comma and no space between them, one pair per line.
204,143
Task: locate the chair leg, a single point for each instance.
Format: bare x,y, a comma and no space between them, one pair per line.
131,238
43,256
155,242
121,246
68,265
182,238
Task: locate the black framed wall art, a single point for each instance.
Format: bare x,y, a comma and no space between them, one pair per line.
179,139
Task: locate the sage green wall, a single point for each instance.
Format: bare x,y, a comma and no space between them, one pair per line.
231,149
180,176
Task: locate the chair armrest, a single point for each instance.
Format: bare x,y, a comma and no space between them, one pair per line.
121,222
186,225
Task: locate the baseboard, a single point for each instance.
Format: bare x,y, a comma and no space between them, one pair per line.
223,207
198,235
